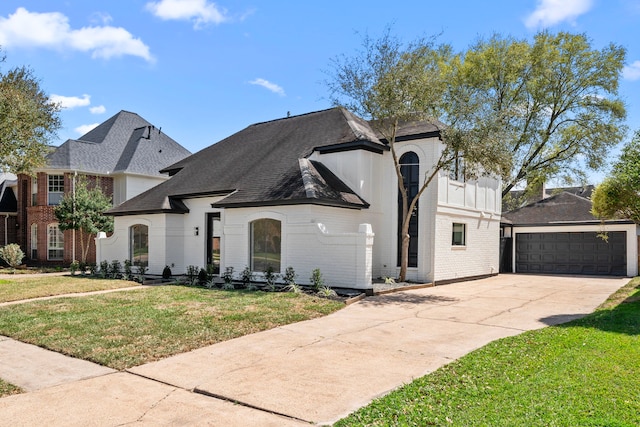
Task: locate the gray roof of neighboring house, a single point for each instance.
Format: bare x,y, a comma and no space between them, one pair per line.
582,191
266,164
124,143
8,202
562,208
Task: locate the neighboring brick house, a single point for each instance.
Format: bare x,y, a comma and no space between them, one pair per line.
317,190
8,208
123,155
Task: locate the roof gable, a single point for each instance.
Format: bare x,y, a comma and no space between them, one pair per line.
125,143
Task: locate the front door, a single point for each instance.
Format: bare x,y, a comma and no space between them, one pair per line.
214,232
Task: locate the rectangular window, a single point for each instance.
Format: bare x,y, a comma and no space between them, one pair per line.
459,234
34,191
56,189
55,243
139,244
34,241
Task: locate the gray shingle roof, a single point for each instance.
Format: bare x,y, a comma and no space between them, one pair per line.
562,208
265,164
124,143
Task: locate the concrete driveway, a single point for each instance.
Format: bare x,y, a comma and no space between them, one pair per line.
320,370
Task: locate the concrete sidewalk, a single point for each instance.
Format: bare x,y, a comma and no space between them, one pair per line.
319,370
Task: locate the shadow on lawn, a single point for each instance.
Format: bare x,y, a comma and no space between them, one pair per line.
623,318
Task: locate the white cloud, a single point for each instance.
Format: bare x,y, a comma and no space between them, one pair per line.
268,85
100,109
71,101
52,30
81,130
632,72
551,12
201,12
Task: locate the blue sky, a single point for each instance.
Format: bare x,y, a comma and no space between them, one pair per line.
204,70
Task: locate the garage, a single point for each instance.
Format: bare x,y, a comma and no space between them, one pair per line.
572,253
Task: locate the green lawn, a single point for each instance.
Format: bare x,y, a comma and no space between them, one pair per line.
129,328
7,389
583,373
26,287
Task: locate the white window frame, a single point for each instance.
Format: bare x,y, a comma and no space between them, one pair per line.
34,241
55,189
459,242
55,243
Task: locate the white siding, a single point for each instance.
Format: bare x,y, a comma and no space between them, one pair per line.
126,186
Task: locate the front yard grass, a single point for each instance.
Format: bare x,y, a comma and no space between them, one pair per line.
26,287
129,328
7,389
582,373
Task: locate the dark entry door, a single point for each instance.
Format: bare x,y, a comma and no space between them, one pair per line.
214,233
572,253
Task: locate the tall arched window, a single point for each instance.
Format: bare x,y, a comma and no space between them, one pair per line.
55,243
139,244
410,169
266,235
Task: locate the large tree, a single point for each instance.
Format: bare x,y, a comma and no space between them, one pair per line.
392,83
28,121
555,100
82,209
618,197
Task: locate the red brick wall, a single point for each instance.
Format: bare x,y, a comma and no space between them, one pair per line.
43,215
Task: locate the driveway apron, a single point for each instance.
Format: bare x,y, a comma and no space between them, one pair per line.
319,370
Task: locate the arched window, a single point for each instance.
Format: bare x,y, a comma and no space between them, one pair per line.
55,243
410,169
265,244
139,244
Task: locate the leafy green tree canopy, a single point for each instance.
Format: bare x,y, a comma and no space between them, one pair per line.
619,194
554,101
83,210
28,121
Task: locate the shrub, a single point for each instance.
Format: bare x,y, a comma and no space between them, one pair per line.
227,276
247,277
289,276
104,269
82,268
192,274
270,277
316,279
12,255
202,276
326,291
127,270
73,267
116,269
166,272
141,270
93,269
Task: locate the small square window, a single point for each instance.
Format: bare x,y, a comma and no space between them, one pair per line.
459,235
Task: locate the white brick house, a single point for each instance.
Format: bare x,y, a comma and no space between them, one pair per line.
312,191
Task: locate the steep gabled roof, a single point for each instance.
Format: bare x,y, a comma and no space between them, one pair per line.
266,164
562,208
125,143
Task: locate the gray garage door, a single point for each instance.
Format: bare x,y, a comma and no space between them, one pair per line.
571,253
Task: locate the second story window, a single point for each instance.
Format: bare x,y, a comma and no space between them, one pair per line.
457,170
56,189
34,191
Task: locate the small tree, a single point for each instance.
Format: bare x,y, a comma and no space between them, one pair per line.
82,209
12,255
